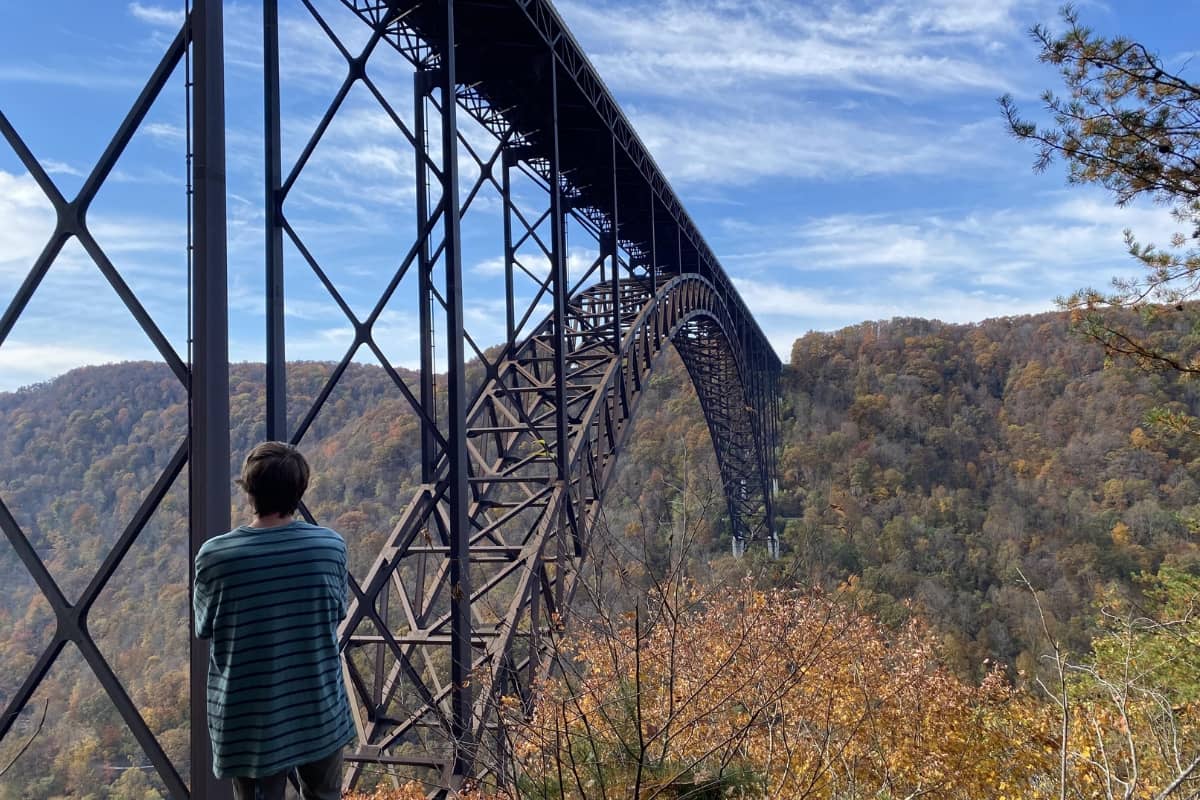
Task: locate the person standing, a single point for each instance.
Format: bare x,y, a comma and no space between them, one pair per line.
269,595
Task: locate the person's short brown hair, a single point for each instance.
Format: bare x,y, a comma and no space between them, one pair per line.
274,475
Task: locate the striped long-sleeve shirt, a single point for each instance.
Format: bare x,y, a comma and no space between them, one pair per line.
270,599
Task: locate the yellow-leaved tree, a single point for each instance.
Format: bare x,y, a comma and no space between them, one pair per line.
775,693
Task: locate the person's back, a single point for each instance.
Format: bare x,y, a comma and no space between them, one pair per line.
270,596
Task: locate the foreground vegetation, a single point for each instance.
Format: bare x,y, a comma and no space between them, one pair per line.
773,693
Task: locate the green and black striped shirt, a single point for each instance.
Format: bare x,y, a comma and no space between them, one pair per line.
270,599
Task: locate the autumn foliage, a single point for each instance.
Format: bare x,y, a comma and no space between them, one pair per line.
772,694
1134,704
788,694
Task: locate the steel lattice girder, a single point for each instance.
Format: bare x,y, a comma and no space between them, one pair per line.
205,450
520,74
529,531
471,577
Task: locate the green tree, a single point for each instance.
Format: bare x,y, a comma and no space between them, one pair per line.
1135,701
1131,125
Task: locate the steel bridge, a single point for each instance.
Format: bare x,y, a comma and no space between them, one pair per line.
519,441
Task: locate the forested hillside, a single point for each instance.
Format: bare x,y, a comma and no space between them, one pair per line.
938,463
925,466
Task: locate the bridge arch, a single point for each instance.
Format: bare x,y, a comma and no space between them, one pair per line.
723,383
530,533
487,554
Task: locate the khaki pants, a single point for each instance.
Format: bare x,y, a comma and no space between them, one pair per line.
319,780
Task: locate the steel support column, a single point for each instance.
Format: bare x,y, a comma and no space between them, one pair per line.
507,160
653,244
423,83
460,520
560,281
613,252
273,163
208,463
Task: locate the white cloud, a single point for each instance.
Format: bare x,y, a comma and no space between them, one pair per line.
313,335
1073,231
537,265
35,73
74,314
785,313
26,222
674,47
790,141
322,344
977,19
54,167
159,16
958,267
580,259
148,175
323,310
824,309
490,267
732,94
24,363
75,318
361,171
164,131
141,234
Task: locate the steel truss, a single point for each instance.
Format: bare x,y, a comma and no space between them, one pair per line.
488,552
203,373
529,530
518,441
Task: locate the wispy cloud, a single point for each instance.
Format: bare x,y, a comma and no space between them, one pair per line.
61,168
362,166
147,174
1072,231
730,94
65,76
141,234
25,363
26,222
159,16
795,141
837,308
74,316
537,265
164,131
786,312
491,267
841,269
672,48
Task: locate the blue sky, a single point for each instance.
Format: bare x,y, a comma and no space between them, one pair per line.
846,161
